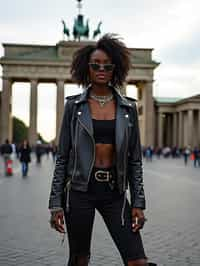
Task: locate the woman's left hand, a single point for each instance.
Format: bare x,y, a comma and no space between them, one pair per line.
138,219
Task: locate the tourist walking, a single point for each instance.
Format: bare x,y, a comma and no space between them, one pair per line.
186,154
38,151
25,157
196,156
6,151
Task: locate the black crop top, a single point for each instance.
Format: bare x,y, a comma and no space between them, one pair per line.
104,131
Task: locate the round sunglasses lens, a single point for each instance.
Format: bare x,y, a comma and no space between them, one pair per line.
94,66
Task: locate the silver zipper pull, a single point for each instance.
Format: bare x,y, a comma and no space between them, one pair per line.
63,239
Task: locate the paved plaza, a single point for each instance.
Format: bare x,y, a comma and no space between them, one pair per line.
171,235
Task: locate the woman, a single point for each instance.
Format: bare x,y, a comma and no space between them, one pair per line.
99,154
25,157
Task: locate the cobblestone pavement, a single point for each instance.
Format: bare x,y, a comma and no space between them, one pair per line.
171,236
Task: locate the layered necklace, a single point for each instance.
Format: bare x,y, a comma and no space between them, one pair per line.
102,99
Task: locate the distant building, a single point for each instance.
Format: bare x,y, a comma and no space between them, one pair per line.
177,121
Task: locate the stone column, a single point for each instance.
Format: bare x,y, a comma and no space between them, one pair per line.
59,107
168,129
174,138
160,129
33,113
6,111
148,114
190,128
180,130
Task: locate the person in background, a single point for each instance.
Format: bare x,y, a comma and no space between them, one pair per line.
6,151
186,154
196,155
25,157
38,151
53,151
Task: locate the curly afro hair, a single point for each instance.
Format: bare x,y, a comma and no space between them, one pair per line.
114,48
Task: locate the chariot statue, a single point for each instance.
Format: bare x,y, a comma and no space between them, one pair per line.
80,28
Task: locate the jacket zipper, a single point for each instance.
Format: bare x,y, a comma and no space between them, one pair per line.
75,147
124,184
93,148
68,190
68,185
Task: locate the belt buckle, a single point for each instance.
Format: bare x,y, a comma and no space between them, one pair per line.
106,179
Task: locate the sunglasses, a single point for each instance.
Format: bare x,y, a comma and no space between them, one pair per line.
105,67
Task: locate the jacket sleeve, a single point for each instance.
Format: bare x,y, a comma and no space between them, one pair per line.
59,176
135,168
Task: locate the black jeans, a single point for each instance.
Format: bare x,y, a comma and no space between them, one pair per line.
111,206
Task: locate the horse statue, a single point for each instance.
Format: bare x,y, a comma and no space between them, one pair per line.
80,29
65,29
87,29
97,31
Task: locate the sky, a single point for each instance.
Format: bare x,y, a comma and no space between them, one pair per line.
170,27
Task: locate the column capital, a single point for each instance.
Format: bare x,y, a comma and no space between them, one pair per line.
7,79
34,80
60,82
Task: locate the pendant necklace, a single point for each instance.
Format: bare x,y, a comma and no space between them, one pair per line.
102,99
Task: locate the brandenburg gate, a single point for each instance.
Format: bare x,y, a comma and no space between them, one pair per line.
46,64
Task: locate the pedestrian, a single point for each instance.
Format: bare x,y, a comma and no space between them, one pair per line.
38,151
99,154
54,151
198,156
6,151
25,157
186,154
195,153
149,154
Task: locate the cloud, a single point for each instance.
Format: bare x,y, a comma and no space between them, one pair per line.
176,80
184,51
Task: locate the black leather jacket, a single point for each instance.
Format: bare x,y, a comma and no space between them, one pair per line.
76,150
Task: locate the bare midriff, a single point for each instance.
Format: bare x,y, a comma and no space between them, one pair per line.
105,154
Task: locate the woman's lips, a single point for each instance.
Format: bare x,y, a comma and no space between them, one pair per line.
101,76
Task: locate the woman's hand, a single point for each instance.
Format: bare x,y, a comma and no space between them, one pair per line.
138,219
57,221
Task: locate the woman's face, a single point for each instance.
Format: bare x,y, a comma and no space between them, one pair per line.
100,67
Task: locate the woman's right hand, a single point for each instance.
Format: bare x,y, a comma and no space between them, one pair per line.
57,221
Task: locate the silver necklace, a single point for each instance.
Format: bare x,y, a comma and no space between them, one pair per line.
102,99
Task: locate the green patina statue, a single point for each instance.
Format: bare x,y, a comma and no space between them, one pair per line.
65,29
97,31
79,29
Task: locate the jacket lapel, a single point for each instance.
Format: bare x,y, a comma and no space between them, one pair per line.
83,111
122,120
121,125
85,117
